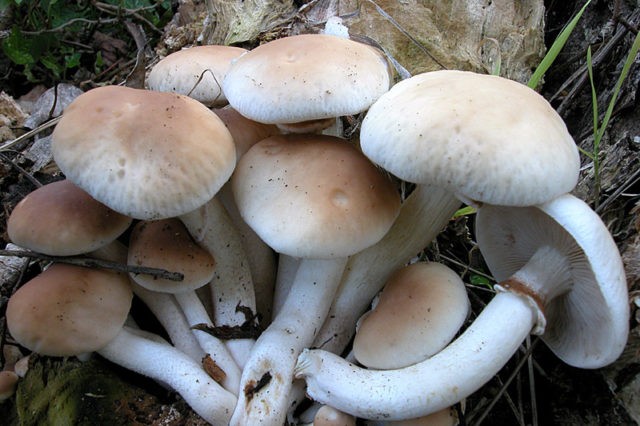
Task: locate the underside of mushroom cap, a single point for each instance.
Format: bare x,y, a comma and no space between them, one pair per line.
306,77
587,327
485,138
145,154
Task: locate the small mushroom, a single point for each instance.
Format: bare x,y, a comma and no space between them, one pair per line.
196,72
69,310
60,219
564,281
419,311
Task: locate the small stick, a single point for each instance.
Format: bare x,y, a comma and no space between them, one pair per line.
97,263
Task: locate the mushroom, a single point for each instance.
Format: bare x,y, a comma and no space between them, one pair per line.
145,154
196,72
302,83
60,219
459,135
162,305
317,198
565,282
167,243
69,310
419,311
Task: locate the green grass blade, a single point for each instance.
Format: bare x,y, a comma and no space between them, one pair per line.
594,96
555,49
635,47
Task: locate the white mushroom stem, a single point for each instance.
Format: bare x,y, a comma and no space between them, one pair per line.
423,215
165,308
261,257
268,375
456,371
232,285
287,268
195,314
168,365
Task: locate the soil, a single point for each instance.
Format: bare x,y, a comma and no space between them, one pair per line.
544,390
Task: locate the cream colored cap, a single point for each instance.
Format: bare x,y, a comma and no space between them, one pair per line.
485,138
196,72
419,311
60,219
69,310
306,77
145,154
313,196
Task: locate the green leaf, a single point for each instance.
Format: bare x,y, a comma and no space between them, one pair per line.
51,64
72,60
555,49
479,280
18,48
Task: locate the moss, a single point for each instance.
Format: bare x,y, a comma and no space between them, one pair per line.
69,392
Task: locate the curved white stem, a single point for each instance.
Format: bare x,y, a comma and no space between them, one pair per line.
438,382
232,284
268,375
170,366
165,308
196,313
423,215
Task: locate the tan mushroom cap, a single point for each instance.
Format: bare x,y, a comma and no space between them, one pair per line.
69,310
485,138
145,154
419,311
306,77
245,132
60,219
196,72
329,416
168,245
313,196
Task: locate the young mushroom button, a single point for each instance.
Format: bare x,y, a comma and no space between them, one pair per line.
564,281
317,198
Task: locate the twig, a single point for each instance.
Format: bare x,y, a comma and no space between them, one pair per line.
515,372
22,171
30,133
97,263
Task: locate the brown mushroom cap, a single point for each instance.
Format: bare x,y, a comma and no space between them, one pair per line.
146,154
313,196
419,311
69,310
196,72
306,77
60,219
167,244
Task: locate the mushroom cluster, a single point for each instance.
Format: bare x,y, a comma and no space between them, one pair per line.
283,232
